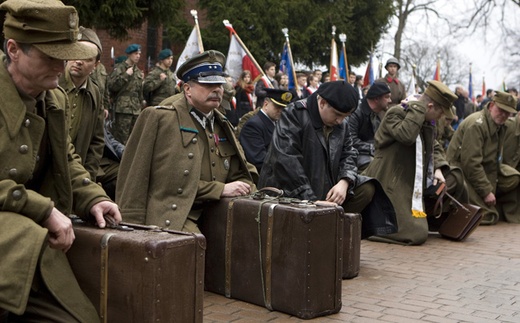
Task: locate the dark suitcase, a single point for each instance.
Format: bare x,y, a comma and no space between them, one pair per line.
286,257
351,245
140,275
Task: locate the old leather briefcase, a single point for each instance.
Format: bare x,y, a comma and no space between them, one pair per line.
139,273
283,255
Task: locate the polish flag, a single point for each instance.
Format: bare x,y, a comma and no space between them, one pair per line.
238,59
334,61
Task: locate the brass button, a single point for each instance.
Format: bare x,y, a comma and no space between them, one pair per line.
210,136
27,123
86,181
174,207
17,194
37,158
190,155
179,190
194,140
186,172
23,149
13,172
167,223
214,178
212,149
213,164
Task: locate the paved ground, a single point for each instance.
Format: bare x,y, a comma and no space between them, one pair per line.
441,281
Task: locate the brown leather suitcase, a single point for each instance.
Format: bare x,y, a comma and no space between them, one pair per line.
351,245
140,275
286,257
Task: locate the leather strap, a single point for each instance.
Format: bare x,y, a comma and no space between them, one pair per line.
103,297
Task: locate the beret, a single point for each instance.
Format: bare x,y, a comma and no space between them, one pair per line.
340,95
132,48
165,53
377,89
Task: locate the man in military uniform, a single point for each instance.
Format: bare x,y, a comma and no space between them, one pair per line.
160,83
86,109
409,161
363,123
397,89
39,171
311,158
478,148
257,132
126,90
183,153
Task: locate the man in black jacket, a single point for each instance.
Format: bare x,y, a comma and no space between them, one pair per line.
311,158
364,122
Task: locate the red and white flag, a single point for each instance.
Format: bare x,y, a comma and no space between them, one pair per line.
334,61
238,59
192,48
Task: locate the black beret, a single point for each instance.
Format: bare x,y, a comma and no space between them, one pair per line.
340,95
377,89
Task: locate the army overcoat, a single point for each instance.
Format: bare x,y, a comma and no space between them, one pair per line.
394,165
66,185
159,175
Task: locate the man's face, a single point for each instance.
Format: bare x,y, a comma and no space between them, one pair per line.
382,103
167,62
204,97
271,71
301,81
134,57
273,111
81,68
392,69
498,115
33,72
352,79
330,116
318,75
313,82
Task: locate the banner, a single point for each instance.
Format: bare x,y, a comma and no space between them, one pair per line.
238,61
437,74
286,65
369,73
334,61
192,48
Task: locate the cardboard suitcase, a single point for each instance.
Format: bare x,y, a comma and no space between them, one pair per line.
140,275
283,255
351,245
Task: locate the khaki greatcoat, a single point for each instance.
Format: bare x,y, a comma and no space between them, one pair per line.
22,239
159,175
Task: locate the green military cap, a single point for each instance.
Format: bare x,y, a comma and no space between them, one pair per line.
207,67
165,53
133,48
87,34
508,178
440,93
120,59
48,25
505,101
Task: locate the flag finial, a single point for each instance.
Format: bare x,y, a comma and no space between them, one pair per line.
333,30
194,13
343,38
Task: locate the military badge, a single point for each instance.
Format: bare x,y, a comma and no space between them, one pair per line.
226,164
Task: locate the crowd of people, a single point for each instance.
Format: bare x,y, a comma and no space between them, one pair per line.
75,138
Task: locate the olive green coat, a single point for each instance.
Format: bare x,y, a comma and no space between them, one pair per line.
156,90
22,239
160,174
394,166
88,139
476,147
100,77
397,90
126,90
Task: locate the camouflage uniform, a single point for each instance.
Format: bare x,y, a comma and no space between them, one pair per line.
127,95
156,90
100,77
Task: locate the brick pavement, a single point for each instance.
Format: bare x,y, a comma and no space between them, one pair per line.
441,281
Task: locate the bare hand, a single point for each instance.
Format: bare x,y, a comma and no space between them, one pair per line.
61,234
162,76
338,192
237,188
130,71
438,177
490,199
106,209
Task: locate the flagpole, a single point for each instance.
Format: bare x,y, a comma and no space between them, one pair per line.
414,79
343,40
199,40
229,26
285,32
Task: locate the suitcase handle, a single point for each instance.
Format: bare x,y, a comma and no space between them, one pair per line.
264,193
